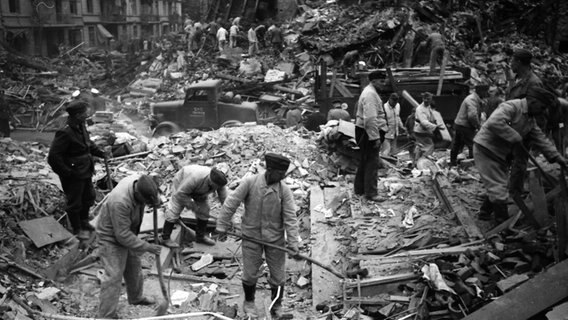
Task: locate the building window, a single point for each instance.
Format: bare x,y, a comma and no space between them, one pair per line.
73,6
134,8
92,36
90,6
74,37
135,31
14,6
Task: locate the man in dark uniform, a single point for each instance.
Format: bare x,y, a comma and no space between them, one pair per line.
5,113
71,157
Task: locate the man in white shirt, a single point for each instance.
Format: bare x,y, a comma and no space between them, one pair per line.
392,111
253,40
222,37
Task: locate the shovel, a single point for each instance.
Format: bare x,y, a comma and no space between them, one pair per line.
109,180
163,307
303,257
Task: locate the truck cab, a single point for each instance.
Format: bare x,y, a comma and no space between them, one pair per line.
201,109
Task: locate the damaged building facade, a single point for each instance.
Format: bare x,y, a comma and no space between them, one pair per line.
44,27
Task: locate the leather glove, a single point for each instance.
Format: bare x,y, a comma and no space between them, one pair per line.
294,252
382,133
154,249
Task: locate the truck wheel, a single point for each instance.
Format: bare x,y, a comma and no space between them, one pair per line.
165,129
231,123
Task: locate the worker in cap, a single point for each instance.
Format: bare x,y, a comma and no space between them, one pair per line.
370,129
511,123
467,123
338,112
392,111
119,220
424,126
270,214
521,79
191,188
71,158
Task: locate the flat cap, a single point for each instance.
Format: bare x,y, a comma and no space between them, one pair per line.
276,161
426,94
523,55
148,189
218,177
76,107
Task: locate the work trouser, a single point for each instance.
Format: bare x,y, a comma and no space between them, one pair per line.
366,176
198,204
232,41
80,195
518,170
222,45
4,128
463,137
424,145
275,259
493,172
436,57
119,262
253,48
388,147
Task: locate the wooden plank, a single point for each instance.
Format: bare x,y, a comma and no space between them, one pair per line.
426,252
383,280
324,249
44,231
342,89
444,130
540,212
442,73
530,298
333,82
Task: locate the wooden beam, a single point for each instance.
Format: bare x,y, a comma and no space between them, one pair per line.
324,249
426,252
442,73
530,298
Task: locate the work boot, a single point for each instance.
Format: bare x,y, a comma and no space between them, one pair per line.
166,234
200,232
83,235
276,301
485,210
376,198
501,212
248,306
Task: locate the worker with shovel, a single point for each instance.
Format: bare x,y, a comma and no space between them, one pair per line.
191,187
511,123
71,157
270,212
120,248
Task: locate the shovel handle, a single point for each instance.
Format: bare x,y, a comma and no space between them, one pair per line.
158,264
301,256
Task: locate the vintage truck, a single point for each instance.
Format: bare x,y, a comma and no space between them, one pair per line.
201,109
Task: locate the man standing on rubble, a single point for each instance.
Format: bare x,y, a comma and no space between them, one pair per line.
274,38
191,187
435,42
212,31
466,125
424,127
234,34
511,123
5,113
222,37
370,130
71,157
253,40
120,248
519,85
392,110
269,213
